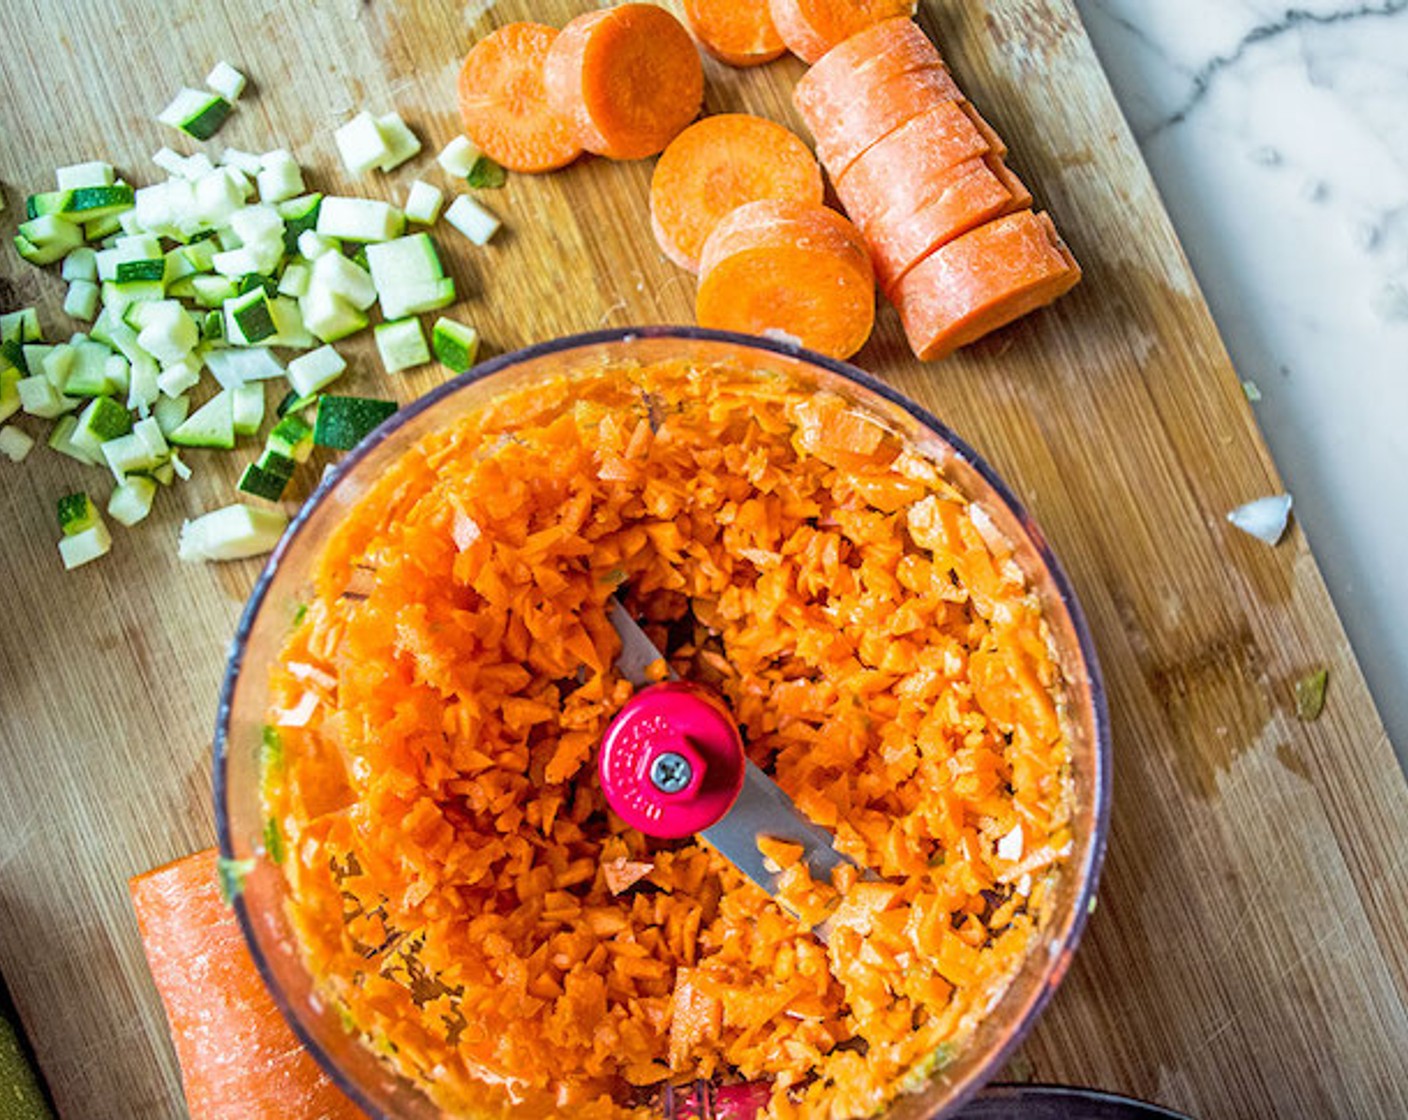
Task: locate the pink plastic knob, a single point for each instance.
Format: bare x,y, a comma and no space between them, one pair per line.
672,761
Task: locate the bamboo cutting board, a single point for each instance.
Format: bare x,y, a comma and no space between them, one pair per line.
1249,956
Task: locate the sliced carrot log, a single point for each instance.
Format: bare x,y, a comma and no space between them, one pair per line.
627,80
956,201
738,32
238,1057
900,171
716,165
810,28
982,281
504,104
784,266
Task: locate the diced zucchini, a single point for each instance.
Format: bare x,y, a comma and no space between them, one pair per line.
149,270
81,302
46,239
294,281
472,220
102,420
86,546
235,367
232,533
173,163
131,500
94,173
401,143
180,377
217,196
144,384
247,318
170,413
247,408
292,402
81,264
485,175
401,345
456,345
276,463
212,326
279,177
38,397
225,80
9,395
329,316
292,437
128,455
361,144
359,219
213,291
21,326
300,216
343,422
169,333
152,437
15,444
338,275
196,113
50,202
260,483
312,245
315,370
118,373
247,162
61,440
99,228
76,513
12,355
457,157
423,202
211,425
57,365
178,466
289,329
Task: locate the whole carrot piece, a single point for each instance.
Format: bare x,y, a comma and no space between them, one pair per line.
504,103
239,1059
626,79
718,164
789,267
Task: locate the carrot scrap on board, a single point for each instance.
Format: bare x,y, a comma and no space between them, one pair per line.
982,281
716,165
810,28
238,1057
626,79
737,32
791,267
503,100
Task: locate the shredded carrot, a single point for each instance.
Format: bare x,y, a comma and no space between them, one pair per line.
459,888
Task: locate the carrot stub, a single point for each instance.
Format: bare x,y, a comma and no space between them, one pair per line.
503,100
626,79
982,281
810,28
715,166
238,1057
738,32
791,267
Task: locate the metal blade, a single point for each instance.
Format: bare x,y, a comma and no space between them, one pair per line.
762,809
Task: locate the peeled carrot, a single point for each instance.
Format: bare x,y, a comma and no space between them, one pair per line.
715,166
738,32
900,171
810,28
238,1057
791,267
982,281
956,201
627,80
503,100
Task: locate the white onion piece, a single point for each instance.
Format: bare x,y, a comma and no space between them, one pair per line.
1265,518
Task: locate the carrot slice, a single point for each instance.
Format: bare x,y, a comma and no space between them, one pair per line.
955,201
738,32
627,80
988,133
715,166
504,104
238,1056
982,281
810,28
787,266
900,171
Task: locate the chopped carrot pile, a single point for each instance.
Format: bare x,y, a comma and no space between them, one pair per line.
458,887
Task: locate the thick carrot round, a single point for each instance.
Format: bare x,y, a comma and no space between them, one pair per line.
902,170
954,202
738,32
504,104
238,1057
982,281
716,165
785,266
627,80
810,28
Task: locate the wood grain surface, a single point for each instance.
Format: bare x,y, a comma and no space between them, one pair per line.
1249,956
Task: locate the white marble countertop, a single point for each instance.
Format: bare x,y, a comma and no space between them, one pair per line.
1279,139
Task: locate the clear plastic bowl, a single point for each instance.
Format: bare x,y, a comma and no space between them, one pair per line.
286,578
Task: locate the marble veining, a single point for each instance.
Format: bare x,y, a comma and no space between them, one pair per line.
1278,136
